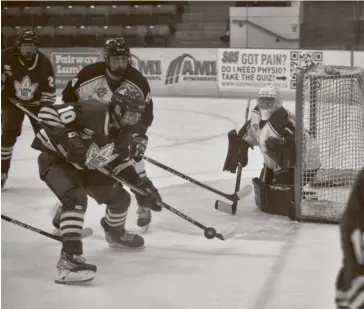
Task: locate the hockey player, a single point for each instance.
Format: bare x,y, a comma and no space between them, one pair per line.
350,281
272,128
74,133
98,81
27,77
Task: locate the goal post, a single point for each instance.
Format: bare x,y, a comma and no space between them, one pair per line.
330,108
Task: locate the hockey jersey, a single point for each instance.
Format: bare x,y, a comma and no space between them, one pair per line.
91,119
260,130
350,281
29,86
91,83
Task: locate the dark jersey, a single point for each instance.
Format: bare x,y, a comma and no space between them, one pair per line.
91,83
350,283
91,119
29,86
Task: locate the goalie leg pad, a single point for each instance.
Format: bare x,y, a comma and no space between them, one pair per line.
274,199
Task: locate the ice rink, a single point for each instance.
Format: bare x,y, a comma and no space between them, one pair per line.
271,263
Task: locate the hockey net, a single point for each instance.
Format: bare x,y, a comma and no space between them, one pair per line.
330,105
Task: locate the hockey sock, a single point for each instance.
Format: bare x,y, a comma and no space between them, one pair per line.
71,230
115,219
6,154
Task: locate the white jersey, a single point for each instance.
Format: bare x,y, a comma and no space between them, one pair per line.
260,130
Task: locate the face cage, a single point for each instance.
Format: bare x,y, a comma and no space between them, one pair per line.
27,51
118,64
130,118
267,102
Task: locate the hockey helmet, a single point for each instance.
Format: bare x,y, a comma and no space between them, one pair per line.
117,56
269,97
26,45
127,104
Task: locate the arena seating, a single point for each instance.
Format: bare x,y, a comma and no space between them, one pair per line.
67,23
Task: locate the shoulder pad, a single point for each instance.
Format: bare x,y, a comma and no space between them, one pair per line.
89,72
137,78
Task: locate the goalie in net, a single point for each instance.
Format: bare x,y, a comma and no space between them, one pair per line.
272,128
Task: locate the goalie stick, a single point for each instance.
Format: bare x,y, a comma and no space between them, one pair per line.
231,197
209,232
222,206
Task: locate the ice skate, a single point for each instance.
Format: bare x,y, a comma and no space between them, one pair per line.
4,178
121,238
73,268
144,218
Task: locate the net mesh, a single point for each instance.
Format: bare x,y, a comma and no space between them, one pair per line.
333,113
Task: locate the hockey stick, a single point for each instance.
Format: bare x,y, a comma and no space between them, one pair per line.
231,197
209,232
31,228
222,206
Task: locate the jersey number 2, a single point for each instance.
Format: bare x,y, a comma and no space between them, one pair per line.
51,81
67,114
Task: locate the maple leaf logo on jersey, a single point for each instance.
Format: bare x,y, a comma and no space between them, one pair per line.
25,89
103,154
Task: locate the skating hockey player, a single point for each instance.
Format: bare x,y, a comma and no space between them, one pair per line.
27,77
272,128
74,133
98,81
350,281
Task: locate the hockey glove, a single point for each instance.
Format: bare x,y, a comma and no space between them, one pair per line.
74,146
282,151
138,147
237,152
151,199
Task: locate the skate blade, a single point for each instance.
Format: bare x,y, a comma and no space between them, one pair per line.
86,232
72,278
125,247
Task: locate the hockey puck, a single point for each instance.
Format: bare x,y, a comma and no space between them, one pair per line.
210,233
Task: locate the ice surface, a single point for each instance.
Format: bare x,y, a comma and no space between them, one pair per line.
271,263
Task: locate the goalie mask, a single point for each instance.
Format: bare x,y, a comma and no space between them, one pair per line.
126,106
26,45
269,99
117,56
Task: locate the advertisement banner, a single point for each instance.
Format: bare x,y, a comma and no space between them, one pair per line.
172,71
67,62
248,69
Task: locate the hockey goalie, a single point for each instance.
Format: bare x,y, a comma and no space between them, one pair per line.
272,128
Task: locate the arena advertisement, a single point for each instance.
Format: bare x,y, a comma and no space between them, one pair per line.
172,71
255,68
68,62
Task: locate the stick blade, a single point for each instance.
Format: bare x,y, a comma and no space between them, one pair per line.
224,207
245,191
